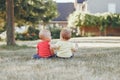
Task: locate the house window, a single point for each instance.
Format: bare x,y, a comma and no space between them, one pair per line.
82,7
112,7
79,6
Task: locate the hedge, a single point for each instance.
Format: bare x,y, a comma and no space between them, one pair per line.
80,19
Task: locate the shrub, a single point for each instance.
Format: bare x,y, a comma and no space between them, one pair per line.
76,19
115,20
75,33
55,33
31,34
90,20
80,19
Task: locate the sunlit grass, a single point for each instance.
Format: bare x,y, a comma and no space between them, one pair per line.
13,47
87,64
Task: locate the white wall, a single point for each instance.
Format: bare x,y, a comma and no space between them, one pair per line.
95,6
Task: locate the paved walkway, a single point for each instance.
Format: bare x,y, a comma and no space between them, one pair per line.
98,41
82,42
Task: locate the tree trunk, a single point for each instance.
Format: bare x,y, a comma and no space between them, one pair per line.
10,22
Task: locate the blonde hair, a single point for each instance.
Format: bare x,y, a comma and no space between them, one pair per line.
44,34
65,33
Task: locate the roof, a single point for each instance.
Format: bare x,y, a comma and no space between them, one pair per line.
80,1
64,9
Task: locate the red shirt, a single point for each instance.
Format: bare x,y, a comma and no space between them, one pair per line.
43,49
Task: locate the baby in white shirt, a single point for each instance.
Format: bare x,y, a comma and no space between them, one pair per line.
64,48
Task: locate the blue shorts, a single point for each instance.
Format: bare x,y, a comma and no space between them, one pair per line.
36,56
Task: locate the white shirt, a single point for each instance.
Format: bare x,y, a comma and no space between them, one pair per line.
64,48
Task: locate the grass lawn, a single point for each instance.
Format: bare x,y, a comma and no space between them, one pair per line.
89,63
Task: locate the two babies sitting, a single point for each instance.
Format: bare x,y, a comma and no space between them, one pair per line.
62,49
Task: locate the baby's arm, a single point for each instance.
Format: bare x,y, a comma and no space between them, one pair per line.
55,46
51,48
37,48
75,47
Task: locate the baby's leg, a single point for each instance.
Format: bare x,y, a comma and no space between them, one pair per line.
36,56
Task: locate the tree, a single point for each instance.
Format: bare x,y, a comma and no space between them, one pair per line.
26,12
2,15
32,10
35,11
10,22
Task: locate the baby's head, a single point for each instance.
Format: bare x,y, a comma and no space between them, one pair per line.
65,34
45,35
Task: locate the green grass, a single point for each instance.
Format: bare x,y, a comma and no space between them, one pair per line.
87,64
13,47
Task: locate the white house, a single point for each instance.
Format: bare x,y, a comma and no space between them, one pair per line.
101,6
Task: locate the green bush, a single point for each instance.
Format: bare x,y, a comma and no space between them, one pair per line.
115,20
75,33
31,34
94,20
89,20
2,29
55,33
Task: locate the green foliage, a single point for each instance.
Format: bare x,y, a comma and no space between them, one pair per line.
55,32
75,33
90,20
74,19
94,20
32,11
114,20
2,5
31,34
1,29
2,21
11,47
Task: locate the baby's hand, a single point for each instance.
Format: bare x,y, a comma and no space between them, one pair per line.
76,46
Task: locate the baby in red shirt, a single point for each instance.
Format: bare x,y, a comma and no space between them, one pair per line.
44,49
